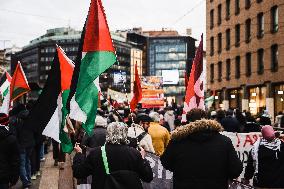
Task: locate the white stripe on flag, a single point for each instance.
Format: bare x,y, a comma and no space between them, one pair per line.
75,111
3,87
53,126
6,104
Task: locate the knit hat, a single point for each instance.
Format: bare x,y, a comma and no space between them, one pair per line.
4,119
268,132
155,116
143,117
100,121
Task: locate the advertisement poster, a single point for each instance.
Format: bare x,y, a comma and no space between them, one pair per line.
152,92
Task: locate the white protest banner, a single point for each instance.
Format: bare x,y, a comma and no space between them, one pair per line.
162,178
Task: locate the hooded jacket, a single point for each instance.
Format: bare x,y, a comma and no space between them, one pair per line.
134,131
9,157
200,157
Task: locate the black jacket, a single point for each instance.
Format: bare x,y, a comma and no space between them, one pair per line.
200,157
24,134
120,157
9,157
270,168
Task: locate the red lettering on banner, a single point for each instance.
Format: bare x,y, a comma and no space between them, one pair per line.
248,139
238,140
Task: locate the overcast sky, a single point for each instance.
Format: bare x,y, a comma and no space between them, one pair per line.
24,20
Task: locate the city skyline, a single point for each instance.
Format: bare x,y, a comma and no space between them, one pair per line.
22,21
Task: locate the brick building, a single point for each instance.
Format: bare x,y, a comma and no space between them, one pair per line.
245,59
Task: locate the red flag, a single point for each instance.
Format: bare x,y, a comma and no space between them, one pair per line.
185,79
137,90
19,84
194,97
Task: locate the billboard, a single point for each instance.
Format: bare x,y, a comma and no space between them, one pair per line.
152,92
119,78
170,77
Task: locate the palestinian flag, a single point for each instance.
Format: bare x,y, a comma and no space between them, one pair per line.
97,55
49,112
5,92
19,84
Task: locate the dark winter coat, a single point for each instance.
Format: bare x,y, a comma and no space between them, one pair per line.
9,157
97,139
200,157
24,134
230,124
120,158
270,168
264,120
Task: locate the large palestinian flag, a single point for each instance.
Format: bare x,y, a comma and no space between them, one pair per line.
49,113
19,84
5,92
97,55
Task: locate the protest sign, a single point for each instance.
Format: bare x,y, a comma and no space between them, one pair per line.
162,178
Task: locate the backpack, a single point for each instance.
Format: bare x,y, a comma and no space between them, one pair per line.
134,142
122,179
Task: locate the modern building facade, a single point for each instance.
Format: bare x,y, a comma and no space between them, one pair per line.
169,55
36,58
245,54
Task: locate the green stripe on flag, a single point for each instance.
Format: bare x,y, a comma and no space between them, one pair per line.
92,65
18,91
66,143
6,92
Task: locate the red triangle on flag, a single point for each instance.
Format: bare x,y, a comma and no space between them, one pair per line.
66,69
19,84
97,36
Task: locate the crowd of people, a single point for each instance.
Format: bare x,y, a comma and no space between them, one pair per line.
195,149
23,148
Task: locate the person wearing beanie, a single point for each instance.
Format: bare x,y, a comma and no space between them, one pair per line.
138,133
99,133
201,157
159,134
115,164
266,161
9,156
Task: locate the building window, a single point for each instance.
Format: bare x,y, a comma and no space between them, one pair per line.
247,4
237,7
260,25
228,69
274,58
248,64
228,39
274,19
219,42
238,67
260,61
237,35
212,73
258,1
219,71
212,46
248,32
228,11
211,19
219,14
